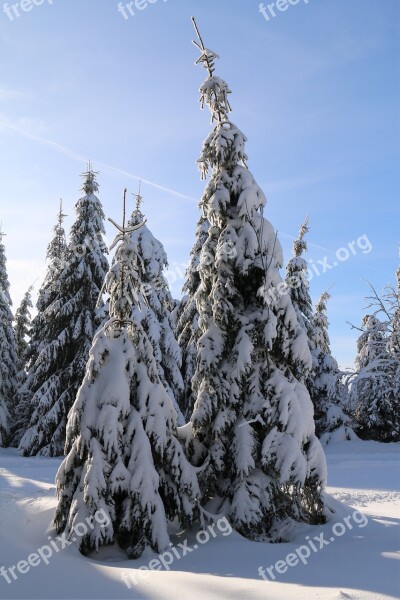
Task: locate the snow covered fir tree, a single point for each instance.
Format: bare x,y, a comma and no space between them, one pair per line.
327,389
42,330
22,334
125,458
393,298
374,389
23,326
9,362
297,282
69,320
253,430
155,308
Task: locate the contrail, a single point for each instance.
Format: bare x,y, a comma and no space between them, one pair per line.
74,155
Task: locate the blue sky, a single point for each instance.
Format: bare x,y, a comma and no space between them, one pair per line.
315,89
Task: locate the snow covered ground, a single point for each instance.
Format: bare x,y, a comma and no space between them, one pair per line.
359,558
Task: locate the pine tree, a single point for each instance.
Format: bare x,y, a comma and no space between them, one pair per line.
297,282
22,332
71,320
393,299
261,461
4,417
9,364
41,331
155,308
23,326
327,390
125,458
373,390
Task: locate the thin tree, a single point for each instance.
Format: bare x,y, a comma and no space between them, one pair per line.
327,390
9,363
297,281
23,326
22,333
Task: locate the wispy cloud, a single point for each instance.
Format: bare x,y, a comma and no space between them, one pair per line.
24,131
331,172
12,94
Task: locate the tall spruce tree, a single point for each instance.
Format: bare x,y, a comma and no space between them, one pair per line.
297,282
23,326
155,308
9,363
41,331
125,458
262,463
4,417
22,334
327,390
72,321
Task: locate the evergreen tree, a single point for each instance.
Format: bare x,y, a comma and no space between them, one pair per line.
297,282
22,332
327,390
72,320
23,326
261,461
9,364
41,331
4,417
125,458
393,298
155,308
373,390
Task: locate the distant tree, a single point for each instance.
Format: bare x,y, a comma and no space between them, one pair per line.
72,320
297,282
9,363
124,458
393,299
22,334
325,384
4,417
23,326
375,387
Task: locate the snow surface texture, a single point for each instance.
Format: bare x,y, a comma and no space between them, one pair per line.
362,564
